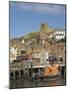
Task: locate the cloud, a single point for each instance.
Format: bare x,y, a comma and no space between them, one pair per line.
42,8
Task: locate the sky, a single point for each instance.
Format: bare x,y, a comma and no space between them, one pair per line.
27,17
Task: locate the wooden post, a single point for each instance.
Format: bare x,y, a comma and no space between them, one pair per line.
19,74
14,75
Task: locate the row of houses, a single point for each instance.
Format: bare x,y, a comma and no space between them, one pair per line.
44,34
37,57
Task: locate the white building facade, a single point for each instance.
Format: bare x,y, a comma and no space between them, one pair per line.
41,57
44,57
13,54
59,34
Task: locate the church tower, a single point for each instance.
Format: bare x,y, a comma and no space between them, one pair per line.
43,34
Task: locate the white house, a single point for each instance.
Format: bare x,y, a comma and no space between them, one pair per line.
44,57
13,53
58,34
40,56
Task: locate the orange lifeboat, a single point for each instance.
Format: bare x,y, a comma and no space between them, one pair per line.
51,71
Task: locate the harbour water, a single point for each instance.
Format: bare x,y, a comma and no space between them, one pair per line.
25,83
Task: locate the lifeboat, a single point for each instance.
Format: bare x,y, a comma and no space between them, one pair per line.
51,71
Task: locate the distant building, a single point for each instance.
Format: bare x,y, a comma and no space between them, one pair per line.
23,42
13,54
58,34
43,32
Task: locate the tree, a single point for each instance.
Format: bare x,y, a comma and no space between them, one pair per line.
62,40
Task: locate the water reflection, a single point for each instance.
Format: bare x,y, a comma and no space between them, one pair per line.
36,83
